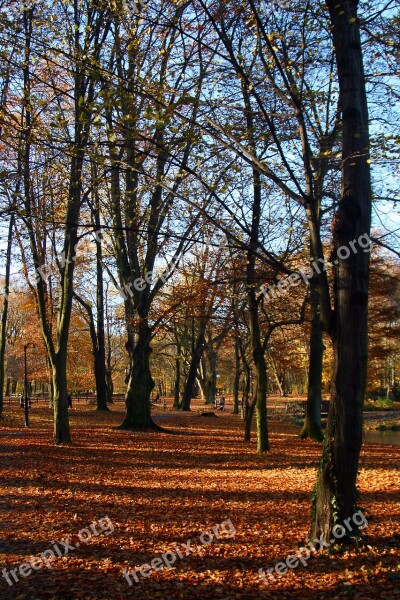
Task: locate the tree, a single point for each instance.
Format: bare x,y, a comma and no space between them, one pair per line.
336,496
384,324
96,324
293,128
68,109
147,156
4,310
207,299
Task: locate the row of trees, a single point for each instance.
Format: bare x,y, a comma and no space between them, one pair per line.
146,129
225,361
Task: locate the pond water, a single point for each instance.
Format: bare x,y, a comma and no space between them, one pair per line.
382,437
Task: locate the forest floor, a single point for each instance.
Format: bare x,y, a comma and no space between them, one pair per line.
117,500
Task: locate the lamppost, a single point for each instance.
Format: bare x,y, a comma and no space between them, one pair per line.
26,346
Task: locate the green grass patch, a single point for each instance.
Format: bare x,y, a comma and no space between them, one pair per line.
380,404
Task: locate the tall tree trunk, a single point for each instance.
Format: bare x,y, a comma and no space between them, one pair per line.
246,389
60,404
261,400
275,372
312,423
260,366
335,498
236,381
50,385
100,378
194,365
177,385
140,384
57,356
109,370
100,354
251,283
202,378
83,95
4,312
248,418
286,384
211,377
110,385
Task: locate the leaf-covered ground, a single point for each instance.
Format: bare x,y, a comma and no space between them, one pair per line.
160,490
